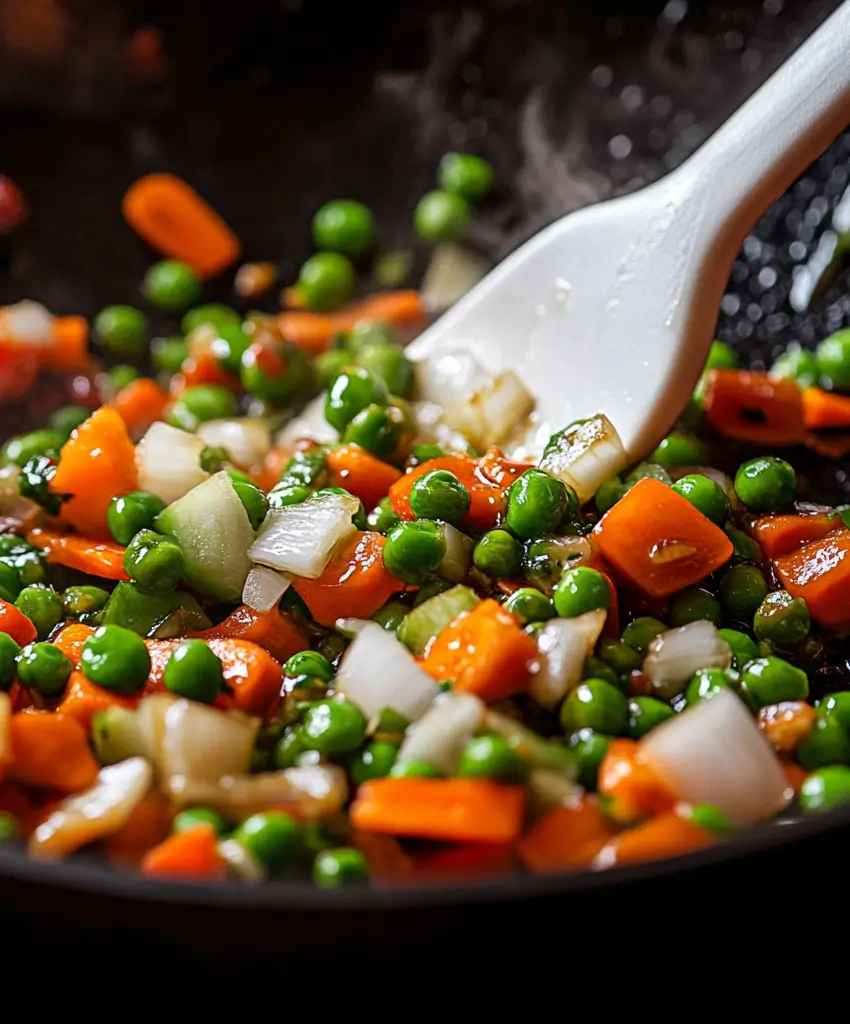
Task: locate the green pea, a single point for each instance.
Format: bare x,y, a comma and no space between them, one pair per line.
122,376
154,562
721,357
742,590
214,459
380,429
581,590
773,680
765,484
414,550
9,652
498,555
10,829
12,544
66,420
229,345
116,659
391,616
647,471
169,354
42,607
214,313
192,817
597,705
596,668
705,683
440,495
529,605
280,497
825,788
277,371
710,818
837,705
706,495
828,743
620,656
334,869
45,668
609,494
590,748
642,631
351,392
743,647
745,548
462,174
797,364
693,604
194,671
29,564
833,358
330,364
333,727
440,217
271,837
383,516
122,330
413,770
326,281
392,268
289,747
18,450
10,582
537,502
491,757
343,225
389,364
680,450
645,713
84,600
782,619
254,501
371,332
201,403
309,663
375,761
171,285
133,512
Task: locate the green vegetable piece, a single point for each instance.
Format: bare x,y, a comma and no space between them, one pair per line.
272,837
305,468
214,313
122,330
645,713
827,744
797,364
782,619
19,449
289,747
721,357
42,607
647,471
10,829
389,364
529,605
335,869
330,364
345,226
370,332
171,285
281,496
709,817
537,503
201,403
413,770
581,590
380,429
431,617
642,631
609,494
825,788
115,659
392,268
326,281
277,371
168,354
706,495
155,563
383,516
229,345
597,705
498,554
214,459
121,376
9,652
193,671
590,747
391,616
491,757
693,604
462,174
10,582
765,484
83,601
420,453
441,217
440,495
255,501
45,668
620,656
34,483
430,588
414,550
837,705
132,513
192,817
833,358
773,680
746,549
742,590
705,683
352,391
66,420
152,614
680,450
743,647
333,727
375,761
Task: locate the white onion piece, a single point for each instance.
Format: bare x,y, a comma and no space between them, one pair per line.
246,440
27,323
377,671
169,462
674,656
450,377
443,731
310,423
98,811
585,456
150,720
453,271
6,752
430,428
301,539
458,557
243,864
264,588
563,645
492,414
714,753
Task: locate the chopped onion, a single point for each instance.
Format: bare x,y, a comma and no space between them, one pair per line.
6,752
675,655
563,645
453,271
458,557
243,864
310,423
430,428
264,588
714,753
377,672
492,414
169,462
27,323
585,455
301,539
443,731
246,440
150,722
550,755
98,811
15,511
449,378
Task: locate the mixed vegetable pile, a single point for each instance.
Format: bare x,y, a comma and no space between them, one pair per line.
287,607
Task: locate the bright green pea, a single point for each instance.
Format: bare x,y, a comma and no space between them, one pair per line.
743,647
333,727
705,683
214,459
42,607
343,225
116,659
289,747
122,330
773,680
326,281
799,365
710,818
498,554
440,217
121,376
19,449
254,501
201,403
745,548
9,827
66,420
590,747
281,496
391,616
742,590
213,313
597,705
825,788
491,757
596,668
29,564
833,358
782,619
45,668
413,770
529,605
277,371
171,285
133,512
9,652
642,631
330,364
154,562
609,494
466,175
192,817
693,604
837,705
647,471
537,502
827,744
84,600
765,484
414,550
229,345
352,391
581,590
383,516
309,663
620,656
194,671
380,429
389,364
680,450
645,713
334,869
392,269
169,354
271,837
375,761
440,495
706,495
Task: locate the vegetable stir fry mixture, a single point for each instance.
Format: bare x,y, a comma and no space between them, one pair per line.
294,606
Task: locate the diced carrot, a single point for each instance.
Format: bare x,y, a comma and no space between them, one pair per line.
500,471
159,652
831,446
71,638
83,699
202,368
18,371
488,500
355,583
314,331
253,280
96,464
51,750
387,861
148,825
273,630
94,557
825,410
483,652
657,540
190,856
819,572
267,475
141,403
172,218
16,624
20,697
795,774
631,788
453,810
666,835
781,533
754,407
464,861
70,351
360,472
565,838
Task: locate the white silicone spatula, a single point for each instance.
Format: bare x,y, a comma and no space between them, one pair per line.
612,309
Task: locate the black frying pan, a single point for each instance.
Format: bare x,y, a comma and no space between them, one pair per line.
269,108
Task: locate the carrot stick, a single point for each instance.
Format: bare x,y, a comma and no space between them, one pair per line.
360,472
488,500
148,825
632,789
754,407
274,631
658,541
565,838
825,410
190,856
52,751
453,810
666,835
172,218
314,331
355,582
96,464
819,572
70,349
83,699
70,640
94,557
141,403
781,533
483,652
16,624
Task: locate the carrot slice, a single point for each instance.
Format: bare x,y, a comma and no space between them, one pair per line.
781,533
173,219
631,787
488,500
96,464
454,810
83,699
148,825
825,410
754,406
141,403
95,557
52,751
658,541
314,331
71,639
360,472
819,572
666,835
565,838
70,349
354,584
190,856
16,624
274,631
483,652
